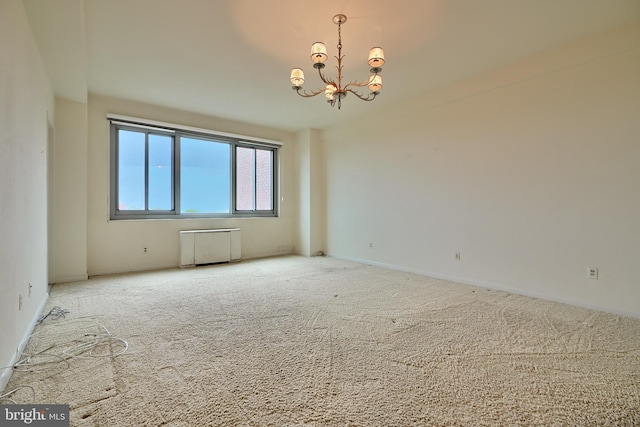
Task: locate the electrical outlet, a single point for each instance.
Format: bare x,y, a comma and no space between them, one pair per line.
371,245
592,273
458,256
144,250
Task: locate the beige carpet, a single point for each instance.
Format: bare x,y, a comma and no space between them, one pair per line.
296,341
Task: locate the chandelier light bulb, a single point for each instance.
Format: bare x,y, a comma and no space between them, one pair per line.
329,91
376,57
297,77
318,53
375,83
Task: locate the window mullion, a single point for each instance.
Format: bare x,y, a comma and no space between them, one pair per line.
234,177
146,171
175,191
272,181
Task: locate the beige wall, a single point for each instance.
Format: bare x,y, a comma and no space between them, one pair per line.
117,246
531,172
310,189
71,191
26,108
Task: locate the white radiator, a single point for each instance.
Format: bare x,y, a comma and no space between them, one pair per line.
199,247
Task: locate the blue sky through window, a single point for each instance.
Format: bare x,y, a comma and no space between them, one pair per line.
205,179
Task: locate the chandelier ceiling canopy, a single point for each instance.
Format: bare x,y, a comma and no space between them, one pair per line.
335,89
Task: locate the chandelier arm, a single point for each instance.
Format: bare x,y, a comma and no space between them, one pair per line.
375,72
325,80
357,84
369,97
306,94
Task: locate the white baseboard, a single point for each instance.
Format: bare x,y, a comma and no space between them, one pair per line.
5,375
493,286
76,278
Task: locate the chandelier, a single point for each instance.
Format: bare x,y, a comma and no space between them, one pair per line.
334,89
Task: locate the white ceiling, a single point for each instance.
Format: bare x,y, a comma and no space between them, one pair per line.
232,58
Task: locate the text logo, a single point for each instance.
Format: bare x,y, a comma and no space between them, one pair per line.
34,415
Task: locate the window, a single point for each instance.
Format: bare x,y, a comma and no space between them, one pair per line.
173,172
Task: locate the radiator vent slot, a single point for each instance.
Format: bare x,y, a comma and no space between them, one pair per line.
199,247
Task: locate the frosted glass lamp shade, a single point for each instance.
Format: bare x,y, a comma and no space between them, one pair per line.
329,91
318,53
297,77
375,83
376,57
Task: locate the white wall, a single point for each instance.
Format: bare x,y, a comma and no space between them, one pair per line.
71,191
310,189
117,246
26,105
531,172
